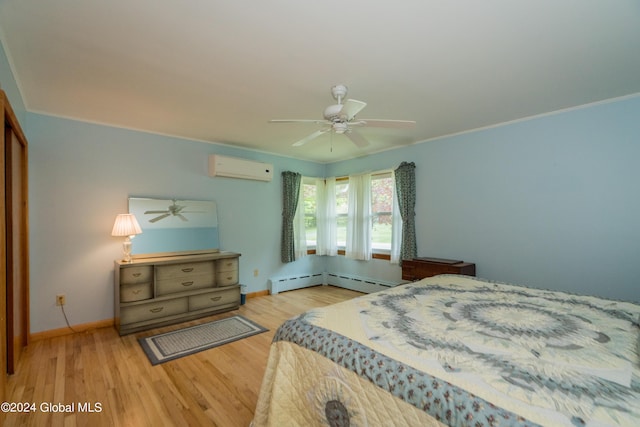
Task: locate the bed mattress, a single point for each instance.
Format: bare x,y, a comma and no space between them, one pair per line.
457,351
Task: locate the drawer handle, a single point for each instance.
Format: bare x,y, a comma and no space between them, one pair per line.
137,274
136,292
156,310
187,270
187,283
229,277
216,298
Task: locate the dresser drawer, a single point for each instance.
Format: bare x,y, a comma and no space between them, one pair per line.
136,292
152,310
182,284
136,274
229,264
173,271
214,299
227,278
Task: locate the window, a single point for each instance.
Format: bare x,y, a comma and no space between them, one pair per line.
382,186
342,208
382,189
310,199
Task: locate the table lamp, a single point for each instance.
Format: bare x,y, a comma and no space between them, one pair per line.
126,225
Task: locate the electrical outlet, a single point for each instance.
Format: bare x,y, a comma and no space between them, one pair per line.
256,272
60,299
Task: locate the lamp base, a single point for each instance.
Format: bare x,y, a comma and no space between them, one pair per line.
126,248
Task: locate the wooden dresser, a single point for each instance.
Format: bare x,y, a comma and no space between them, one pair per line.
419,268
154,292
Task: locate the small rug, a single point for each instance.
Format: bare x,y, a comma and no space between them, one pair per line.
161,348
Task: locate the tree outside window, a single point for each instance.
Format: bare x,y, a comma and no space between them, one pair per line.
342,209
309,192
381,209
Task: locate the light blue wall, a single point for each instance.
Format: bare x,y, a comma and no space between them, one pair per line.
80,178
550,202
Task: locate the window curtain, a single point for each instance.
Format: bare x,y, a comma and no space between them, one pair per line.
405,177
299,231
396,227
358,245
327,225
290,195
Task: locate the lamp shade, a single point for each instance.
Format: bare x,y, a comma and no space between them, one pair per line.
126,225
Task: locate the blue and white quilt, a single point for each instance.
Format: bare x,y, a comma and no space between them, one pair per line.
463,352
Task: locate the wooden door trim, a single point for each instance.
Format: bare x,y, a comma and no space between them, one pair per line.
15,228
3,274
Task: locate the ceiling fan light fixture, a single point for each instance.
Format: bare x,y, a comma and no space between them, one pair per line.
340,127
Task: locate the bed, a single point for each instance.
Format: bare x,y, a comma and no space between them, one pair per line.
456,351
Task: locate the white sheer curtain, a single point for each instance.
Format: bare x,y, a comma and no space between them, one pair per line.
359,218
326,219
396,227
299,232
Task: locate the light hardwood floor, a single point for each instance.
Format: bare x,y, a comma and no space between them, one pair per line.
98,368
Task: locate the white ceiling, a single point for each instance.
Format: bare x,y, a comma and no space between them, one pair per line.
217,71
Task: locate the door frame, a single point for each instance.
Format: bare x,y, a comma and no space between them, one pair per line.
14,231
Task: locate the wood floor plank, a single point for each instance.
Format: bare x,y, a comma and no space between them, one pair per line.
217,387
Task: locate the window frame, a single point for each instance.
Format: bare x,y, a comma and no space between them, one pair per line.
377,253
381,252
311,181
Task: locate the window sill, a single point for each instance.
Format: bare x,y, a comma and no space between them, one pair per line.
375,255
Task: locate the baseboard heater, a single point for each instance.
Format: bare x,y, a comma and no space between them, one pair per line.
359,283
289,283
348,281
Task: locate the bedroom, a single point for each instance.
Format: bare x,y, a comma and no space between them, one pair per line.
550,201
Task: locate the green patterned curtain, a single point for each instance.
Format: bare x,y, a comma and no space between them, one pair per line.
406,190
290,190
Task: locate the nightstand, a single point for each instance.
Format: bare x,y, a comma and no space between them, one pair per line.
419,268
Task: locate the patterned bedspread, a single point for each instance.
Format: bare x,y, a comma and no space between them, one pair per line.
458,351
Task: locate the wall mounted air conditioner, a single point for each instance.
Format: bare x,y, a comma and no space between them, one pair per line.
232,167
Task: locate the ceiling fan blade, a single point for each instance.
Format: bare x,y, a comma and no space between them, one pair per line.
155,212
356,138
158,218
310,137
352,107
182,217
319,122
398,124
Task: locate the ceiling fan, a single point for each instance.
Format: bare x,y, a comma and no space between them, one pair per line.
341,119
173,210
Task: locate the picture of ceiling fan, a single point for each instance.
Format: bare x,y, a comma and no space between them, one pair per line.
173,210
341,119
